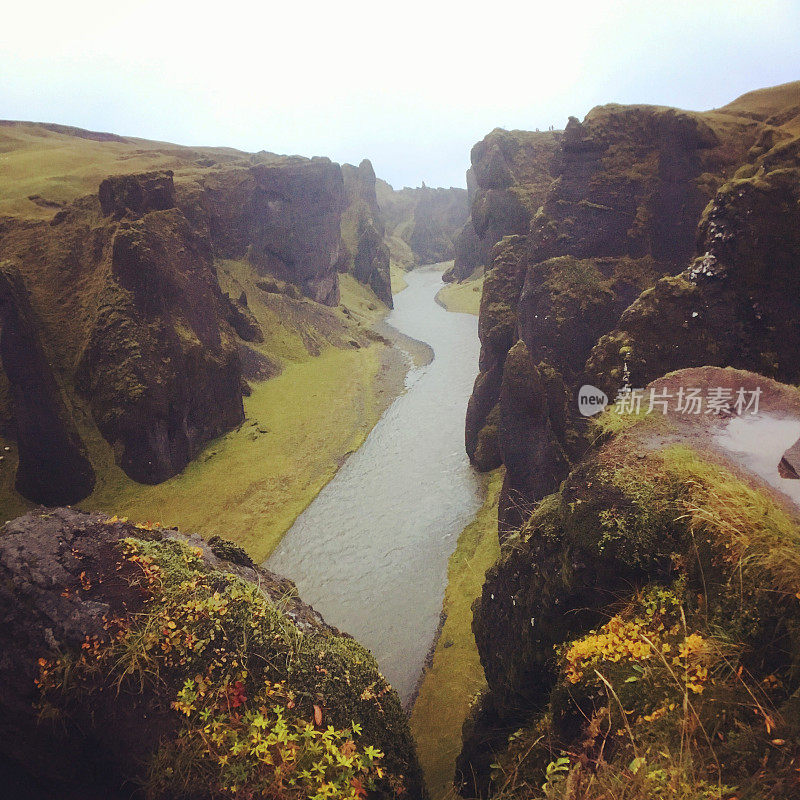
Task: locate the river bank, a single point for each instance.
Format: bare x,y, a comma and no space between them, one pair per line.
370,553
455,675
300,426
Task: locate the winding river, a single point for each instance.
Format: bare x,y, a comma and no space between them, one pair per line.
370,553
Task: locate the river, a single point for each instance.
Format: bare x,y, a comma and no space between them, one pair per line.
370,553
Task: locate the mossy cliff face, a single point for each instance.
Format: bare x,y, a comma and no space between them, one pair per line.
161,368
364,252
141,663
735,304
283,215
535,462
627,190
498,331
512,175
425,220
53,466
660,580
128,307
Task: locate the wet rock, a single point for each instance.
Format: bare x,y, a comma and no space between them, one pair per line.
789,466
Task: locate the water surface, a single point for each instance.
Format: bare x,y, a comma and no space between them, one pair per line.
370,553
758,442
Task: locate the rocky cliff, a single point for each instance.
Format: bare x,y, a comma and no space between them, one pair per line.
666,240
426,220
141,663
510,175
629,186
53,466
364,252
647,609
118,291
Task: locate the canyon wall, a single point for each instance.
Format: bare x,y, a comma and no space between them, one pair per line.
364,252
422,224
117,292
665,240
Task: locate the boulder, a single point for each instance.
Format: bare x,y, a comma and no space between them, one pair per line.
135,659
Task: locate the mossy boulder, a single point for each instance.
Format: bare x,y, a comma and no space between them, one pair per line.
656,511
141,663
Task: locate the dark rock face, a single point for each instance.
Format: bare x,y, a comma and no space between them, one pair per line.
626,184
507,183
53,466
142,331
284,216
364,252
535,462
161,375
498,331
467,254
734,305
612,529
428,220
602,212
150,191
64,576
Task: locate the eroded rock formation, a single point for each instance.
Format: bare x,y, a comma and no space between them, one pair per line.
364,252
53,466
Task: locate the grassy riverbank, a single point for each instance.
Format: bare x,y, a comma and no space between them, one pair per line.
251,484
455,675
464,297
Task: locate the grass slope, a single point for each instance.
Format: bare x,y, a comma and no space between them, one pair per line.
250,484
456,675
463,297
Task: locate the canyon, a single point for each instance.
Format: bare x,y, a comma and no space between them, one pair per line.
246,346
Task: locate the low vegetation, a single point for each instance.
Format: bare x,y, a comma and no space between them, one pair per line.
455,675
463,297
259,708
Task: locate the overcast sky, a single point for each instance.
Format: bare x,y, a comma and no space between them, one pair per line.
411,85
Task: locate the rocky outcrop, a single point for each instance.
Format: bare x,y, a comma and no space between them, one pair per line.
616,212
161,373
364,252
734,304
140,331
507,183
534,460
151,191
428,220
498,330
136,659
656,558
282,215
53,466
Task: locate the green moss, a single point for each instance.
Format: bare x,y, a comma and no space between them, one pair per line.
250,692
455,676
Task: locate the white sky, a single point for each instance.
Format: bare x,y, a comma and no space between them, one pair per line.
411,85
